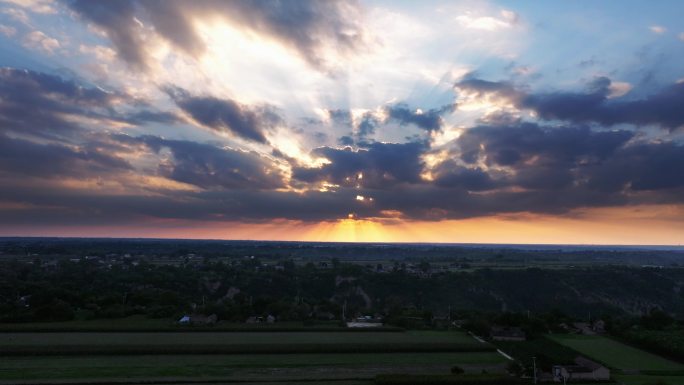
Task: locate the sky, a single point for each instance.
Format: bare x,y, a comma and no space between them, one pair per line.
371,121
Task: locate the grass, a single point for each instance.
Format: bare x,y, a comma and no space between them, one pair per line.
61,367
25,343
264,355
546,351
649,380
218,338
436,379
139,323
615,354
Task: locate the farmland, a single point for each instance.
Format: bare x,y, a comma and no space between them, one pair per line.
61,343
253,338
118,355
616,354
285,365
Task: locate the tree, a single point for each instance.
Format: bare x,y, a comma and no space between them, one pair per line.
457,370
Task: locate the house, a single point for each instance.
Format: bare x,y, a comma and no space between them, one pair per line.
365,322
254,320
584,369
498,333
24,301
599,326
441,321
590,329
198,319
323,315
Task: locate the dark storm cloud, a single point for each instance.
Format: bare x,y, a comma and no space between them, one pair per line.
36,103
346,140
146,116
541,158
451,174
609,165
304,25
617,179
481,87
430,120
366,125
506,166
208,166
44,105
382,165
516,144
117,19
640,167
23,158
79,207
363,131
226,115
662,108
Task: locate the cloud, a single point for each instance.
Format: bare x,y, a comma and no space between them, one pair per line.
601,103
480,87
662,108
312,28
208,166
430,120
48,106
539,158
523,143
37,6
23,159
488,23
657,29
40,104
363,126
381,165
39,41
450,174
641,167
597,169
7,30
225,115
16,14
681,36
53,149
618,89
117,19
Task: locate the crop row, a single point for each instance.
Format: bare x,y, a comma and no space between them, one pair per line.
427,379
227,329
24,350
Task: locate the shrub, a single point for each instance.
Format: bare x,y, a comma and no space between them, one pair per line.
457,370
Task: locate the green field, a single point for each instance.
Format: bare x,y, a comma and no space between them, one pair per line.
61,343
649,380
368,354
286,365
616,354
144,324
211,338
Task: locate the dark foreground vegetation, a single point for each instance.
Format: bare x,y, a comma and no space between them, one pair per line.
192,311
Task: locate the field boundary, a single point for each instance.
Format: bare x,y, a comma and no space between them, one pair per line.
246,329
24,350
185,380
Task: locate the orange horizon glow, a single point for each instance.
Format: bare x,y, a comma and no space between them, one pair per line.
642,225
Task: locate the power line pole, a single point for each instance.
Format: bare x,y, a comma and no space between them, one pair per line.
344,310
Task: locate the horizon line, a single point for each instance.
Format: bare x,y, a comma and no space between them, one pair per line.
599,245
